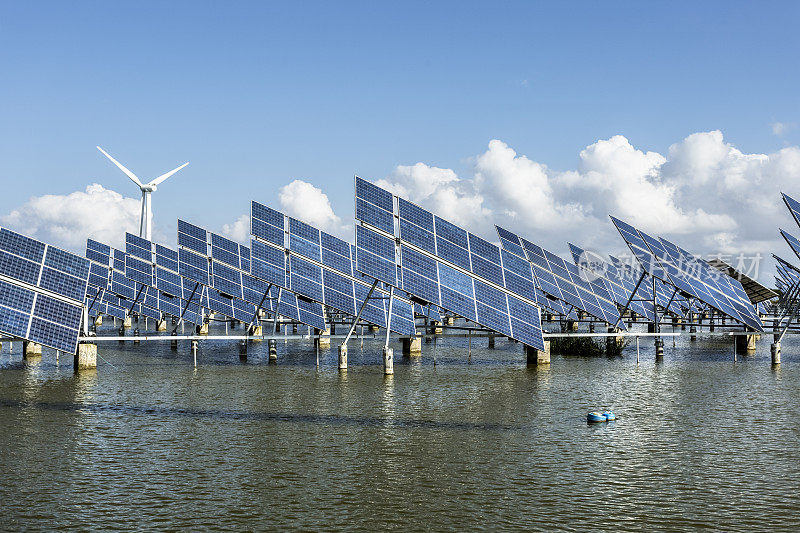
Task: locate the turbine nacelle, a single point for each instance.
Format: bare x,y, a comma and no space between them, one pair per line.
145,223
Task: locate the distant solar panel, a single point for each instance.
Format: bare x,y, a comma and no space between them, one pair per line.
690,274
755,291
618,281
665,295
403,245
320,267
42,291
563,280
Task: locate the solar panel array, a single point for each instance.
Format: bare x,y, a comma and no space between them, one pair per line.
692,275
561,279
42,290
756,292
619,282
321,267
405,246
227,268
665,294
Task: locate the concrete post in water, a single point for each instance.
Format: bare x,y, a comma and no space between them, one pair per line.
591,327
343,357
651,327
373,328
98,321
572,325
412,347
85,356
491,341
388,361
161,325
548,317
659,348
613,343
136,334
323,341
711,325
256,331
31,350
202,329
127,322
243,350
173,344
273,350
775,349
538,357
294,329
745,344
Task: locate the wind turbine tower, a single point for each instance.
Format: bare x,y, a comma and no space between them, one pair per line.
146,222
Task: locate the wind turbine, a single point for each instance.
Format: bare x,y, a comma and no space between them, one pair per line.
146,222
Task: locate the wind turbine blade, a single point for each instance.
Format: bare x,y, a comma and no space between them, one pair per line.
127,172
162,177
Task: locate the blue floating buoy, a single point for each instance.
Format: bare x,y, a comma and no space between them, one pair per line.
609,415
595,416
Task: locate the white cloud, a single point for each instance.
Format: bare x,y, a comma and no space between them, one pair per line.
68,220
704,194
305,202
239,230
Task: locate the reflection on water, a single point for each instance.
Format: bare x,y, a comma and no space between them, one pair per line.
149,441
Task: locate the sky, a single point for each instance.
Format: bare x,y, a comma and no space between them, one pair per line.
681,118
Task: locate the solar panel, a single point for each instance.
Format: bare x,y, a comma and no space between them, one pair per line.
42,290
224,267
755,291
403,245
320,267
690,274
562,279
619,283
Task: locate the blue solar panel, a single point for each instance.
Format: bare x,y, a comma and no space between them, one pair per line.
320,268
690,274
439,263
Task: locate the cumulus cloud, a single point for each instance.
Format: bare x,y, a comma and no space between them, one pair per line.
305,202
239,230
704,194
68,220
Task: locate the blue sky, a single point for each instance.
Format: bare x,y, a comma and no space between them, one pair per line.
256,95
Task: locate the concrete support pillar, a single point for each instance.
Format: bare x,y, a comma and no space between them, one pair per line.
161,325
127,322
343,357
388,361
273,351
613,343
98,321
437,327
538,357
651,327
135,334
448,321
85,356
548,317
31,350
374,329
491,341
693,332
243,350
581,315
294,329
412,347
591,327
572,325
775,349
202,329
173,344
711,325
256,331
324,339
745,344
659,348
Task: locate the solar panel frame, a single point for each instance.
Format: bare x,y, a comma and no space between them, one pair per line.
419,245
